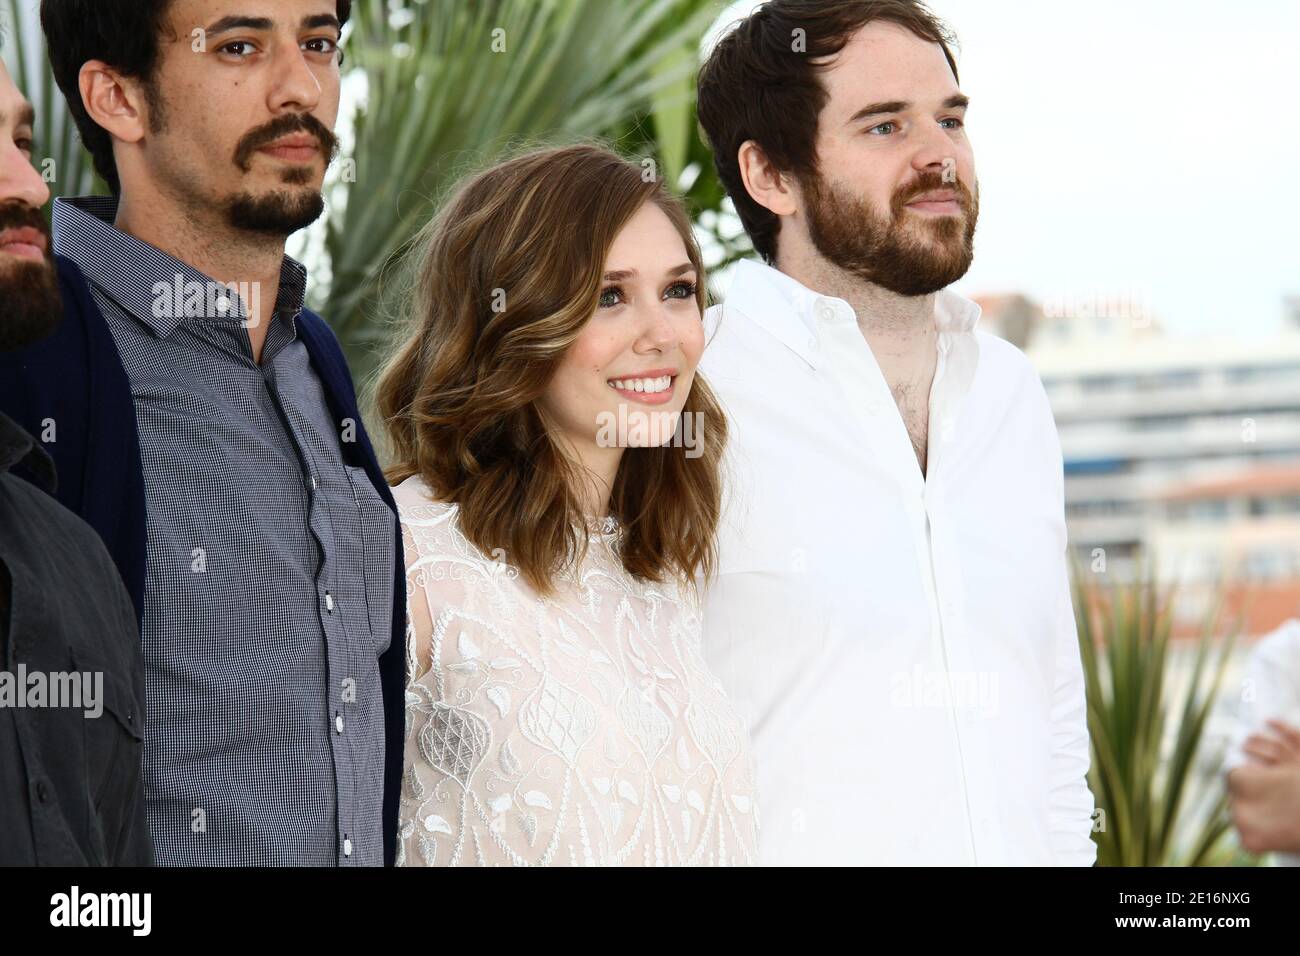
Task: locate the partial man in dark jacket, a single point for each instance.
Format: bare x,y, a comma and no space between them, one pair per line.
209,428
71,678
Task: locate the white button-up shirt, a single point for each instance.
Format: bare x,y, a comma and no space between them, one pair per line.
902,646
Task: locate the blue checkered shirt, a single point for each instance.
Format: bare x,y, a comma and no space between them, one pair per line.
269,588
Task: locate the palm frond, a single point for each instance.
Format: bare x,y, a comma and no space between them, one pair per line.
449,86
1149,780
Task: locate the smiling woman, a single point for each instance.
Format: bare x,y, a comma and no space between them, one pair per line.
523,347
559,708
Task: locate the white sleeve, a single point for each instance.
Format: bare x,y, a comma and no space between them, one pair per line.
457,807
1070,801
1270,688
1070,804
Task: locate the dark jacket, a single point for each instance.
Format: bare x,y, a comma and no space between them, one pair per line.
75,381
71,787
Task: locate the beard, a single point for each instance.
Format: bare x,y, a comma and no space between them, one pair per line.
33,307
278,214
901,251
284,211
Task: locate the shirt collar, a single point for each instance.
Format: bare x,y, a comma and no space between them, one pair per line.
19,448
132,272
795,314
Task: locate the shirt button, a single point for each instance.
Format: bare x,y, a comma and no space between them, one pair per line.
41,793
825,311
338,723
313,482
329,602
347,847
812,344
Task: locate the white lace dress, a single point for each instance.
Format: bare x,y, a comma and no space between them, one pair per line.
579,729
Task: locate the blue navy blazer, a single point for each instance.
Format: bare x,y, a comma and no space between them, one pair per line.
72,388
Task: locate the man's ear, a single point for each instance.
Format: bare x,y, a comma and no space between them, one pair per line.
766,185
115,102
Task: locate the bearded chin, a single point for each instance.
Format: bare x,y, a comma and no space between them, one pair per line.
33,307
913,258
278,214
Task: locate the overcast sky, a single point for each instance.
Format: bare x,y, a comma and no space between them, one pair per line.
1147,149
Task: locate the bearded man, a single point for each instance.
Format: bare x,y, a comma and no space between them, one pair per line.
71,677
204,422
892,610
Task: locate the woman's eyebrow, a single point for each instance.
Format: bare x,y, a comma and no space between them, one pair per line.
621,274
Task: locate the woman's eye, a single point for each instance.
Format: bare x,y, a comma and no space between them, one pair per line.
610,297
682,290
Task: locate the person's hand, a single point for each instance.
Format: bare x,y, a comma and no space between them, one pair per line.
1265,802
1279,748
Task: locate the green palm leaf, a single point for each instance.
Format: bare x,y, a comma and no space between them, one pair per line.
1161,807
449,86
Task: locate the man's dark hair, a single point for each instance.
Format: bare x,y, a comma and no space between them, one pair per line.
761,83
122,33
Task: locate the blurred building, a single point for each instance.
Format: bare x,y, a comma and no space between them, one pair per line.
1183,450
1242,530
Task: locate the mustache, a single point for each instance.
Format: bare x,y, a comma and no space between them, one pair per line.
20,215
284,126
929,181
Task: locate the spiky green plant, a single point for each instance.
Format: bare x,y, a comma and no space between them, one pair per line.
1148,741
449,85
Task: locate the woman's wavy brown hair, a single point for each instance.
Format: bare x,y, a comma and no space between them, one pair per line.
461,398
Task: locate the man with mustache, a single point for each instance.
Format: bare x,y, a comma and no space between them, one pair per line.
892,608
71,792
207,427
